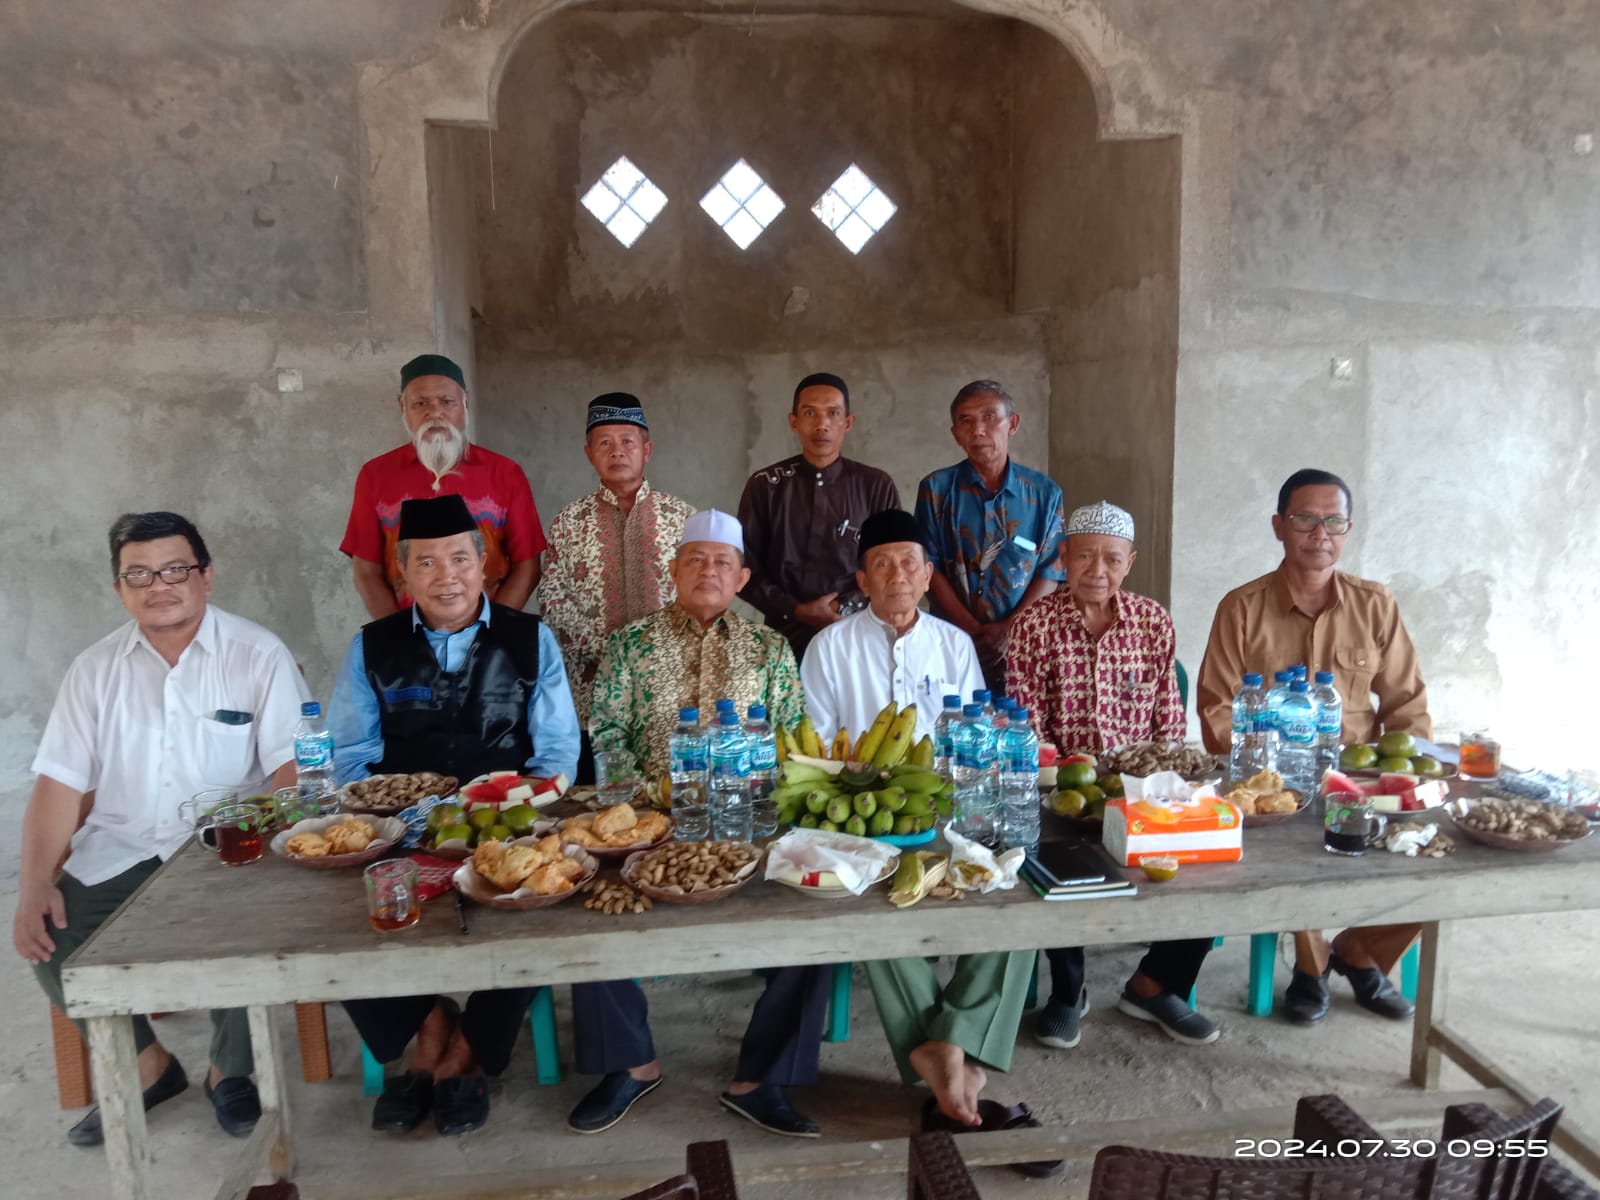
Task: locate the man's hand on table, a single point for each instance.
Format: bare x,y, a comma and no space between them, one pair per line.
29,932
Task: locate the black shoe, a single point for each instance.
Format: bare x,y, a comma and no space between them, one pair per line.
87,1132
1305,1000
460,1105
236,1103
1373,990
406,1099
609,1101
1176,1019
769,1108
998,1117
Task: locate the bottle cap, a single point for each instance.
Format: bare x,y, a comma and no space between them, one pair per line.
725,705
952,701
729,717
311,709
1251,679
689,714
1298,670
982,696
1299,686
972,710
1282,676
758,712
1324,676
1019,715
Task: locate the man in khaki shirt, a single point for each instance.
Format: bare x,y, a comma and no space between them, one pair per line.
1307,612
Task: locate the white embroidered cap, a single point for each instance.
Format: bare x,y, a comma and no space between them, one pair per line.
713,525
1102,517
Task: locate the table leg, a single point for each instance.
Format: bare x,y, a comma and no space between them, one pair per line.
273,1084
116,1079
1432,979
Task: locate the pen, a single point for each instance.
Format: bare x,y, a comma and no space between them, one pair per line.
461,914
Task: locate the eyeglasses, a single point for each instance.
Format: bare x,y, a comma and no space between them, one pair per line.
1306,522
140,578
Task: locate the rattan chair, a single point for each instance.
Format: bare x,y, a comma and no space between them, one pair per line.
1555,1181
936,1171
709,1177
1130,1173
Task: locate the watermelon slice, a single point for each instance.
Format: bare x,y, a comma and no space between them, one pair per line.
1082,758
1048,754
1397,781
543,786
490,792
1335,783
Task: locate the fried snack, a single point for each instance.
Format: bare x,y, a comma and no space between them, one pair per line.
489,860
1280,803
1244,801
308,845
583,835
549,846
550,880
616,819
652,827
350,836
522,861
1262,793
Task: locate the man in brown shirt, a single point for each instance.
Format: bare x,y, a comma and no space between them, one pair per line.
802,518
1307,612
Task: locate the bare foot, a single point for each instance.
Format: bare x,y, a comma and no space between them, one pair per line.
433,1039
955,1083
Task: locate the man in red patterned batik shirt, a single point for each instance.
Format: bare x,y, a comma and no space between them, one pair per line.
1098,667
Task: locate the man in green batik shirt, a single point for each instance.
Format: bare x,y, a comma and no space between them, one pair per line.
693,652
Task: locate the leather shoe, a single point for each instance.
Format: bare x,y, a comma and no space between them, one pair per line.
460,1105
88,1131
236,1103
1305,1000
768,1106
609,1101
1373,990
406,1099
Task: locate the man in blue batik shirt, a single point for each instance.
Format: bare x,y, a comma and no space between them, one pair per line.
993,529
459,685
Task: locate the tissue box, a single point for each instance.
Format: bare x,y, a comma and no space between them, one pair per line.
1199,828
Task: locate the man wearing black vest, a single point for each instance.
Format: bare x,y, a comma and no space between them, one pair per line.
460,685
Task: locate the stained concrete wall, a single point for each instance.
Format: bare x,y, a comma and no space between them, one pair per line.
714,338
453,219
1096,254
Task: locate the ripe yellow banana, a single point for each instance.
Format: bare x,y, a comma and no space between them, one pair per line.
840,750
782,746
898,740
810,743
869,742
922,753
791,743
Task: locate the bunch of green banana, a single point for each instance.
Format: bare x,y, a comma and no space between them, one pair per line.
866,801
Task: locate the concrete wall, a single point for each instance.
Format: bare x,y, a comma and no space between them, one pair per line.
1405,189
1096,253
453,221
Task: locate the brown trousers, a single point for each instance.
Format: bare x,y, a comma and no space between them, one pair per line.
1386,944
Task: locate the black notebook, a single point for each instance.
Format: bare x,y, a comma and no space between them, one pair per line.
1058,870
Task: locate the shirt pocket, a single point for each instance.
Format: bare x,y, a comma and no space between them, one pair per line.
224,754
1016,566
1355,665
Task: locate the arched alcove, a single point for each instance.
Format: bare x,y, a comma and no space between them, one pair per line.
1035,158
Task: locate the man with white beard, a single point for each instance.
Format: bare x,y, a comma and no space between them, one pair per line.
439,460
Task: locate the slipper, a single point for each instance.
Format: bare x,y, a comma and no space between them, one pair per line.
997,1116
935,1121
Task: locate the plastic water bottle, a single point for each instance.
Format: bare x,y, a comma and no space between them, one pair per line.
730,780
1019,782
1298,671
974,776
763,766
313,752
942,731
1252,748
1002,715
1297,749
689,756
984,698
1275,698
1330,723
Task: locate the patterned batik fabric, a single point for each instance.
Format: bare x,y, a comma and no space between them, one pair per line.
603,569
1092,694
667,661
988,545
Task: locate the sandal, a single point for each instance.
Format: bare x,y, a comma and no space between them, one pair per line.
997,1116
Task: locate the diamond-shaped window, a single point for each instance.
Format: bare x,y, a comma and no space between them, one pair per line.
742,204
854,208
624,201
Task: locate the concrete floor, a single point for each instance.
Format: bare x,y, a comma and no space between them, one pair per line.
1523,988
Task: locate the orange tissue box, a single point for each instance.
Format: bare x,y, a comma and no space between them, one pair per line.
1199,827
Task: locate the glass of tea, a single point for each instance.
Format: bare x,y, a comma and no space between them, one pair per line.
1350,825
294,804
234,832
1480,756
392,900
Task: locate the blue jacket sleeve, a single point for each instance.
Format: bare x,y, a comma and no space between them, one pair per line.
353,719
552,718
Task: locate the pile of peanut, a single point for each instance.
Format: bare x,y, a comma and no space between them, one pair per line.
614,899
695,866
1526,819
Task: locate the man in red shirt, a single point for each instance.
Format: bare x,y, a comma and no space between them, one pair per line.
438,461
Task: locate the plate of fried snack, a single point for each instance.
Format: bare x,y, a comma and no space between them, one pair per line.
385,795
1263,800
692,872
350,840
617,831
528,872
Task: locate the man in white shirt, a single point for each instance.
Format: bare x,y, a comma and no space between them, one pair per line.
890,650
943,1036
182,698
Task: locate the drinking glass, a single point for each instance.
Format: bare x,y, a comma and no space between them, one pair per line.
1350,825
614,776
1480,756
293,804
392,900
235,831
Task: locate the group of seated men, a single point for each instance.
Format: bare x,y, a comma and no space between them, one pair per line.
636,589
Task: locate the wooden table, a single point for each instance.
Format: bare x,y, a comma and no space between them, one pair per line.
200,935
